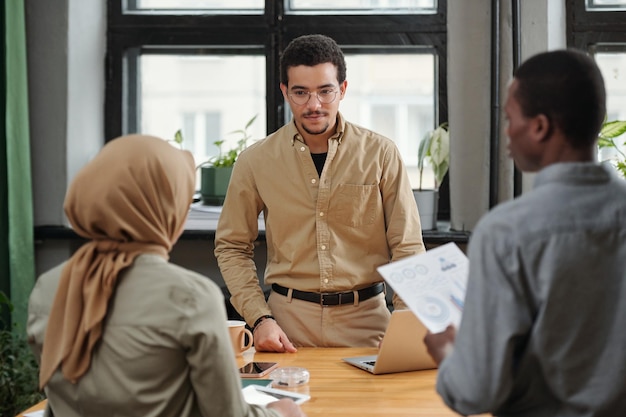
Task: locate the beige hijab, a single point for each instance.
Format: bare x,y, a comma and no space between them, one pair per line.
132,198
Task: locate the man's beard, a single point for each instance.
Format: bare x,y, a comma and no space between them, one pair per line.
315,132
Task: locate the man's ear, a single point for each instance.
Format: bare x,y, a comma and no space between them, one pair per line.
283,88
542,127
342,89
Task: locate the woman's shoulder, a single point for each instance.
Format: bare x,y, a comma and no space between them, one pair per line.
154,287
158,271
42,294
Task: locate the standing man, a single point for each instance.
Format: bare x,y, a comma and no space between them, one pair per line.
542,332
337,203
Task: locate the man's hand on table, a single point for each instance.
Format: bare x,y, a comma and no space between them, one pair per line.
269,337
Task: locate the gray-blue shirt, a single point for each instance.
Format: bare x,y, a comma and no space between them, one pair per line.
544,326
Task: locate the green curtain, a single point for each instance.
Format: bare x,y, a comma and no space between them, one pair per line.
17,257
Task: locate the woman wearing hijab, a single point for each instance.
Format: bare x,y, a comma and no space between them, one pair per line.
118,329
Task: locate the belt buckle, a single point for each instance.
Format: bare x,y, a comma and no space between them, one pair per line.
323,301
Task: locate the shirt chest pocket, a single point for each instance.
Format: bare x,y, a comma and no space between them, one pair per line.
355,205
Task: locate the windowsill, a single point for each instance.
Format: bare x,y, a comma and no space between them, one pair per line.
443,234
202,222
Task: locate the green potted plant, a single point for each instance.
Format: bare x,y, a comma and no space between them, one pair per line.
606,141
215,172
19,372
434,150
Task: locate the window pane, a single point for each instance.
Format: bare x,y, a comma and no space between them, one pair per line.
393,94
605,5
196,5
613,67
363,6
208,97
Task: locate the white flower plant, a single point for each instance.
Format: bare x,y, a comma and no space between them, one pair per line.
434,149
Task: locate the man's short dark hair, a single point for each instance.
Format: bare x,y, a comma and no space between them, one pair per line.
566,86
311,50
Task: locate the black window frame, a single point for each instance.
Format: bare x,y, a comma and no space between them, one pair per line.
593,31
132,33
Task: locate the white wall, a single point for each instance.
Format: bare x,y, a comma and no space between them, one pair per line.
66,49
469,90
469,57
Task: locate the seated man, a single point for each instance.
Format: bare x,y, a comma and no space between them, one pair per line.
542,332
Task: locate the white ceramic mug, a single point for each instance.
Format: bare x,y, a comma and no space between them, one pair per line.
238,335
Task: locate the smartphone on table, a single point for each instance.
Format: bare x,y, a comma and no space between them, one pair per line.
257,369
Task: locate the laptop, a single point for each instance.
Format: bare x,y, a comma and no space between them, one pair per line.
401,350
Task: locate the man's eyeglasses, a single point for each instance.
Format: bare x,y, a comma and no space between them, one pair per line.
325,96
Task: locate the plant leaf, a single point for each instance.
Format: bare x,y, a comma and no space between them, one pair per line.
435,146
440,153
423,149
440,146
250,122
606,139
613,129
178,137
440,172
5,300
621,167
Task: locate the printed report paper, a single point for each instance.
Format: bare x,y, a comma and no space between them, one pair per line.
432,284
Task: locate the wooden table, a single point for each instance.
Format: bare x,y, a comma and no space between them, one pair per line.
36,407
339,389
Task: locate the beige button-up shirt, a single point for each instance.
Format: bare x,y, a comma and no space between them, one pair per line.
324,233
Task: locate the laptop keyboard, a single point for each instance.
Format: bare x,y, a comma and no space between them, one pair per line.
372,363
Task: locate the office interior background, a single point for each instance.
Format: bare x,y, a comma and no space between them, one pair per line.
99,69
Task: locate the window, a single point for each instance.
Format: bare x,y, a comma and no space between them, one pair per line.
605,5
393,94
208,66
612,63
197,95
195,6
362,6
599,27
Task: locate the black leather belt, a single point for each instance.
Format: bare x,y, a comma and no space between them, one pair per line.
331,298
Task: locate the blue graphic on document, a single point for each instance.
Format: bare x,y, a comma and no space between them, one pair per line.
446,264
434,309
409,273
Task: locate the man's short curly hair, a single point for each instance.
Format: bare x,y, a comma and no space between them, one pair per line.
311,50
566,86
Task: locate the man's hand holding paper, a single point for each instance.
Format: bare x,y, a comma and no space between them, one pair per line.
432,284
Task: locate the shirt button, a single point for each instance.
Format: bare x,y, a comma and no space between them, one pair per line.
321,214
313,181
323,247
302,148
325,280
